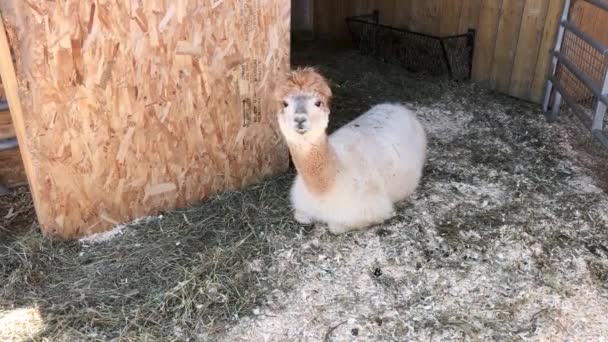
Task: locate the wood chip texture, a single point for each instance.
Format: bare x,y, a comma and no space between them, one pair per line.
135,107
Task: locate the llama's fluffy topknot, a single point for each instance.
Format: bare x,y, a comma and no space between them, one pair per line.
306,80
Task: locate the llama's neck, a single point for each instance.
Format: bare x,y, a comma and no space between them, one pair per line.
316,163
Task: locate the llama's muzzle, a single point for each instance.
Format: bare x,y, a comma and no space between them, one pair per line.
301,123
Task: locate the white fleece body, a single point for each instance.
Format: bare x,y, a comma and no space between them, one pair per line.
380,158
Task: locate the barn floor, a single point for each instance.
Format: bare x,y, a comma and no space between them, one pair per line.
506,238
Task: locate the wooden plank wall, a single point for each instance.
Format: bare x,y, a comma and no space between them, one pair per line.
514,37
302,15
591,20
132,108
514,44
428,16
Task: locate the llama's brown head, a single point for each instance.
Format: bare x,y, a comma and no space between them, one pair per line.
303,97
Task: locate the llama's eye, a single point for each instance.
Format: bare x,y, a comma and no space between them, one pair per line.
285,104
318,103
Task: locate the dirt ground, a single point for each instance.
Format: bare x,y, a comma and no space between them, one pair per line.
505,239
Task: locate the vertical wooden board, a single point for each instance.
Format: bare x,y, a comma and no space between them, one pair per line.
417,16
506,43
131,108
355,7
334,18
433,16
329,19
323,12
324,19
301,15
361,7
450,12
541,72
465,16
428,18
341,10
485,39
387,11
403,12
474,11
425,16
311,14
526,55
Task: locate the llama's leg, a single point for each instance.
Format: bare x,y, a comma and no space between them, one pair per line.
337,228
301,203
391,214
341,228
378,214
302,218
385,210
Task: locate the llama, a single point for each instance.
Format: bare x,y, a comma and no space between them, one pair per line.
351,179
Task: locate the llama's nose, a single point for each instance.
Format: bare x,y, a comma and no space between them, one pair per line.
300,121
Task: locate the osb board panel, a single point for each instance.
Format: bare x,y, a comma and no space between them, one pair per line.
133,107
12,172
7,130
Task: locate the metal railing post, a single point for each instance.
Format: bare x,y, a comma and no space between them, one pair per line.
600,106
557,48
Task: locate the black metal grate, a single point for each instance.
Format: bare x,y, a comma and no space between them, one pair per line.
417,52
590,61
578,96
575,90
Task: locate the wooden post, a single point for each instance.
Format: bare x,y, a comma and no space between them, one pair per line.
9,81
